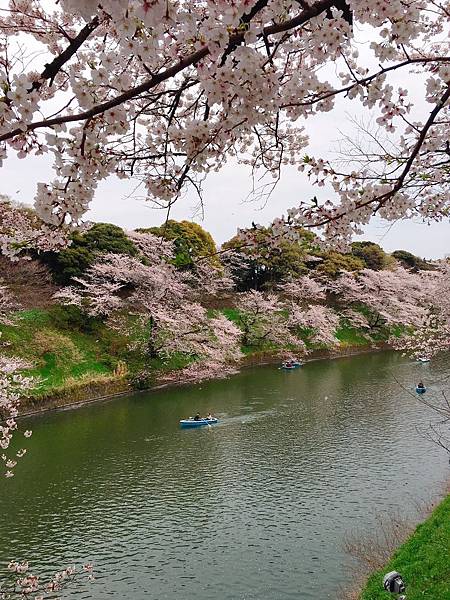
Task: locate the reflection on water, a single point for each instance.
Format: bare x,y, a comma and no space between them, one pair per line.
253,508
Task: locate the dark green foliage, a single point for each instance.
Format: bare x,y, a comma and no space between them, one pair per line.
263,266
190,239
105,237
85,248
70,262
335,263
410,261
372,254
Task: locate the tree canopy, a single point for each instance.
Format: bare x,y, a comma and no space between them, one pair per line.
372,254
334,263
166,92
73,261
262,264
411,261
190,239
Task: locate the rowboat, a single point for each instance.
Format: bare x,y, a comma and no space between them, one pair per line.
288,366
423,359
185,423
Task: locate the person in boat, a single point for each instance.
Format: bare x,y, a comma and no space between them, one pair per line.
197,417
209,416
420,385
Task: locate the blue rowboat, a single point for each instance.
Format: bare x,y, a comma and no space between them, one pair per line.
421,390
290,366
185,423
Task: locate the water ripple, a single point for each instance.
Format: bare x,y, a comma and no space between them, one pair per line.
254,508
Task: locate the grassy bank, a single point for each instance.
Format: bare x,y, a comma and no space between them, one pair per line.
74,358
423,561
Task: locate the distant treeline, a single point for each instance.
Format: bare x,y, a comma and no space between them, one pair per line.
261,265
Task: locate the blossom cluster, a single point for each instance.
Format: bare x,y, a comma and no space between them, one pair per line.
158,304
21,231
169,90
13,386
24,584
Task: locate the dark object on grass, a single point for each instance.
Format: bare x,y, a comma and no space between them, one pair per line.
393,583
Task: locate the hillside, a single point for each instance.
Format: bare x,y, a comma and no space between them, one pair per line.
121,310
72,356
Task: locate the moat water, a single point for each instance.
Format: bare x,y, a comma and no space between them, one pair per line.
255,508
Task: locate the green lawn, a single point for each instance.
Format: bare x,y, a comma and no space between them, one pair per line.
423,561
56,349
63,347
350,336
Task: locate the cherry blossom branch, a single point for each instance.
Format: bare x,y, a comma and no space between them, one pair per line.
400,180
170,72
52,69
364,81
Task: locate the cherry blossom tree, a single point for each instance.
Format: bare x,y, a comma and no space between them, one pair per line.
219,352
432,334
303,290
417,302
169,90
320,321
305,301
13,385
203,278
262,319
429,338
148,298
21,231
208,281
374,298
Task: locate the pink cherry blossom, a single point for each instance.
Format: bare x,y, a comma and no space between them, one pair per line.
21,230
166,317
263,320
21,583
167,92
13,385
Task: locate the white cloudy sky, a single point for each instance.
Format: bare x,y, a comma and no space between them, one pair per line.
226,206
225,194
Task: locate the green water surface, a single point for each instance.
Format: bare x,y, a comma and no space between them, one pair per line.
255,508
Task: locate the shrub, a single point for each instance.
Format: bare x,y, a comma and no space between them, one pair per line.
73,261
190,240
334,263
410,261
373,255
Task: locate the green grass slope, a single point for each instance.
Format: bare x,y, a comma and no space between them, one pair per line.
423,561
58,350
67,350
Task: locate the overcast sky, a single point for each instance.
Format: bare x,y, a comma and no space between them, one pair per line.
226,206
225,194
